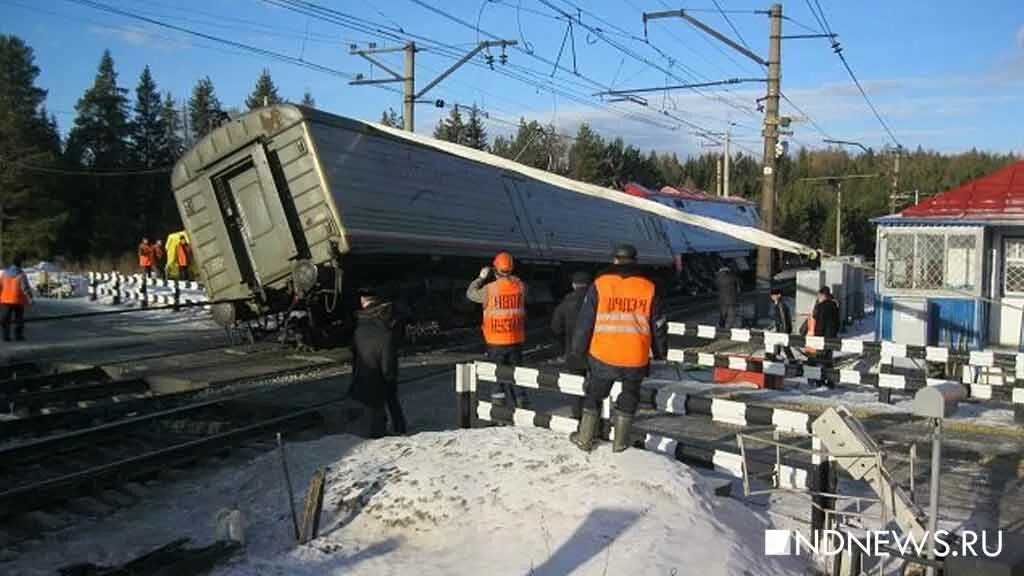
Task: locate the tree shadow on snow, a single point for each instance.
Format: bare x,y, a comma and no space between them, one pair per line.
597,532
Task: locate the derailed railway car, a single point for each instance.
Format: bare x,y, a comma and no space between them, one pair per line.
287,204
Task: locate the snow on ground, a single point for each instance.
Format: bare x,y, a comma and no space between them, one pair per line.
132,328
485,501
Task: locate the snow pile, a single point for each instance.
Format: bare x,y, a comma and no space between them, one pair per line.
520,501
488,501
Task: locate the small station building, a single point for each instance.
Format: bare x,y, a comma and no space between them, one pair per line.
950,269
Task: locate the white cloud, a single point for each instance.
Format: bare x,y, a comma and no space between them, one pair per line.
140,37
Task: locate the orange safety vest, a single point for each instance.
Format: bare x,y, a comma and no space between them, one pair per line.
622,328
10,290
505,312
145,256
183,252
810,332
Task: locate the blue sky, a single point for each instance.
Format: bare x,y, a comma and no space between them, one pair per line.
945,75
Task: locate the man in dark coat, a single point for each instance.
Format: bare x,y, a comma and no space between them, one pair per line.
727,294
563,326
826,324
375,364
782,320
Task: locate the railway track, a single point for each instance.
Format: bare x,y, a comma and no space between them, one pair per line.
108,445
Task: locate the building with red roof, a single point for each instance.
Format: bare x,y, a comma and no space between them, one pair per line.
951,267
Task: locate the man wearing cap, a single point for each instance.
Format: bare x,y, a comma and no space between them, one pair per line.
563,326
375,364
504,321
619,327
825,322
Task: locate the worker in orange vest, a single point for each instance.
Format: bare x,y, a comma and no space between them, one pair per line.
146,257
15,294
159,254
620,326
183,254
504,321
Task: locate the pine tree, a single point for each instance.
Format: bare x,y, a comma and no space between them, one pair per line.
204,109
307,99
173,137
149,150
148,131
33,212
100,138
391,118
474,135
264,93
586,155
451,128
103,215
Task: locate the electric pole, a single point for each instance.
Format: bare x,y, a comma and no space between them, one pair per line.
895,179
718,177
728,158
837,181
771,142
410,96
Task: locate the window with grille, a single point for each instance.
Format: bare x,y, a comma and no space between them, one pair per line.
1013,274
934,260
899,261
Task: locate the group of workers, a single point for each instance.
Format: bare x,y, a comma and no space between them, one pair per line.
153,256
610,329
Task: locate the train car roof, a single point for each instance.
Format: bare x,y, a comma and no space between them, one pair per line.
265,122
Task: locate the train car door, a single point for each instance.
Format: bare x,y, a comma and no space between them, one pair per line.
255,217
515,189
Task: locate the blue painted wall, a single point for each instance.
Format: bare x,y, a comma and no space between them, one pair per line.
952,319
883,316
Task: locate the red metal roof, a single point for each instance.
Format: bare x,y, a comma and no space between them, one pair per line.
995,196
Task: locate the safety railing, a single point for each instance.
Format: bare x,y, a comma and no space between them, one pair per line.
136,288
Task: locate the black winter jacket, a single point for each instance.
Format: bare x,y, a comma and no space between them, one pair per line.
374,354
563,325
782,321
585,329
826,319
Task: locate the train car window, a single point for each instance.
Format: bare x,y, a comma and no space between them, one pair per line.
679,204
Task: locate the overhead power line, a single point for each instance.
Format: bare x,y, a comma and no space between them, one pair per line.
731,25
819,15
247,47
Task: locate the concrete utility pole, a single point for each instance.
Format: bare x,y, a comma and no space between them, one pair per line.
837,181
728,158
895,179
772,123
409,98
408,78
771,142
718,177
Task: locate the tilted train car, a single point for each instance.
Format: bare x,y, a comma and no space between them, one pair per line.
287,201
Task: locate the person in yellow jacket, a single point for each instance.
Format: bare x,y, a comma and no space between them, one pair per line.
504,320
15,295
173,270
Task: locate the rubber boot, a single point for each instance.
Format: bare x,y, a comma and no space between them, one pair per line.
623,427
583,437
